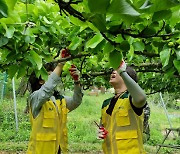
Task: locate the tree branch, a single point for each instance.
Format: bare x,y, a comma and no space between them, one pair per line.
109,40
66,7
147,54
71,57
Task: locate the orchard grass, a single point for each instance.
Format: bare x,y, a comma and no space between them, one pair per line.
81,126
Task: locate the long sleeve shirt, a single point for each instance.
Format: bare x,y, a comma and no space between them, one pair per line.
39,97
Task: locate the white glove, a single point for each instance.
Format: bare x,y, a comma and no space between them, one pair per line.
122,67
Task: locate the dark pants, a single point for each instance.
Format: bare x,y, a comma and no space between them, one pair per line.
59,151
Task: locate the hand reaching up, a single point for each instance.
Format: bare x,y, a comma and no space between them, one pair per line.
122,67
64,54
74,73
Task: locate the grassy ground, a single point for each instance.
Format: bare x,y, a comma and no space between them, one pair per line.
81,127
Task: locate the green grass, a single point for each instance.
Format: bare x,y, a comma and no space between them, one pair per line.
81,127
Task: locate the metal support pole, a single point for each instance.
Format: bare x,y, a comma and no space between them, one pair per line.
15,109
166,112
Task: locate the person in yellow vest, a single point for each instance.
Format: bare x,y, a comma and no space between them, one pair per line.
48,113
121,121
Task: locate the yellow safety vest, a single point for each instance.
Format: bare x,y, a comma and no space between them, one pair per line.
49,129
124,128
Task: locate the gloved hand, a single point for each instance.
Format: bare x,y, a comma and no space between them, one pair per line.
122,67
64,54
74,73
102,133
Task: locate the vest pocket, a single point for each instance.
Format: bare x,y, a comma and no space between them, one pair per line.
45,143
127,142
48,120
122,118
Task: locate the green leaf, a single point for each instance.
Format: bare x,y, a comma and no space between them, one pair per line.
164,14
92,43
178,54
22,70
43,29
3,9
10,32
115,58
90,25
130,54
98,6
108,48
164,56
122,7
76,42
12,70
11,3
37,59
138,46
29,39
77,22
44,73
149,31
159,5
47,21
3,41
177,64
125,46
147,4
73,33
99,21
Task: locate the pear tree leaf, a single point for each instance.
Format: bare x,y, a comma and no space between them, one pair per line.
164,56
11,4
98,6
3,41
3,9
177,64
12,70
37,59
92,43
76,42
122,7
164,14
9,32
99,21
138,46
124,45
108,48
115,58
44,73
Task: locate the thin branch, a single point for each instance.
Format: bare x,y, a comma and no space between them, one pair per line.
71,57
66,7
154,92
147,54
150,65
109,40
82,64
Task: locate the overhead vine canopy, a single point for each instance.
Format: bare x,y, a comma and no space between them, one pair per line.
146,33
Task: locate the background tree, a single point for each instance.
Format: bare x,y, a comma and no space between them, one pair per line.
144,32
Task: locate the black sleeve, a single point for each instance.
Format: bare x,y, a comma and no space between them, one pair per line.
138,111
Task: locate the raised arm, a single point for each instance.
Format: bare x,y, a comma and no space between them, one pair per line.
137,94
39,97
74,101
